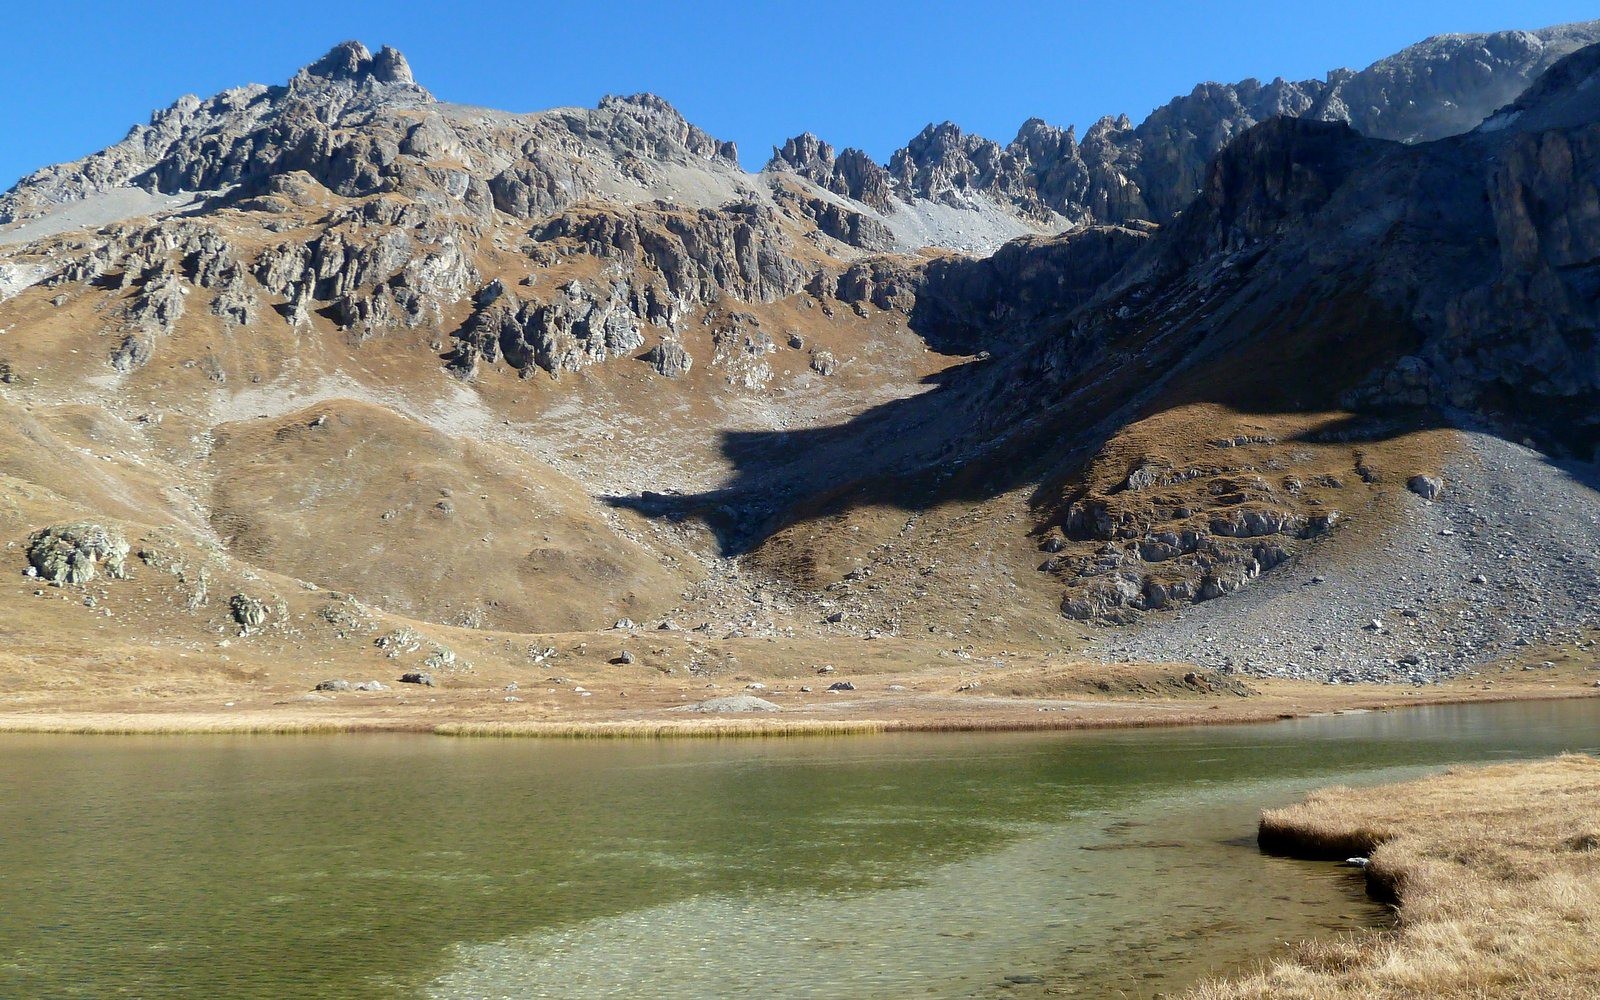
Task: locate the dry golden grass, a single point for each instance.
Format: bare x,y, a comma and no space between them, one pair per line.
186,727
1497,873
650,729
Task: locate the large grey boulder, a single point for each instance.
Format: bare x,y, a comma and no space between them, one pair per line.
77,553
1426,487
670,359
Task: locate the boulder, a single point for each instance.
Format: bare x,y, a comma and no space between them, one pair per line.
247,611
1426,487
670,359
77,553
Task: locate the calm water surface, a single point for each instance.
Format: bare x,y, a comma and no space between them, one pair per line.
1100,864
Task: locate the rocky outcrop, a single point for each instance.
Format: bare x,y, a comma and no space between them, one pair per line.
660,265
385,264
1272,178
833,219
1151,548
740,348
582,324
77,553
852,173
738,250
669,358
249,613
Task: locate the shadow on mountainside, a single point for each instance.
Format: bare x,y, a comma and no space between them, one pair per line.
989,428
1312,264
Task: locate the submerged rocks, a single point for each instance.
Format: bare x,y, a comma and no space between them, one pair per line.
77,553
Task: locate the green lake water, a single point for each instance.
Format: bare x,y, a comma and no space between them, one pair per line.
1091,864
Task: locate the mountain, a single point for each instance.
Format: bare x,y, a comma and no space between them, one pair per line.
1288,379
1120,172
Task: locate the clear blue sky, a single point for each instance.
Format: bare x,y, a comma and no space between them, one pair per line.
76,75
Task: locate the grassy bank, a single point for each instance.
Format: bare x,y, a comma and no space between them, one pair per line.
1496,872
648,729
650,713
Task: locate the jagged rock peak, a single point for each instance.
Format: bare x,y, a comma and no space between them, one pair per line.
658,120
352,62
1039,139
942,160
647,101
804,154
851,173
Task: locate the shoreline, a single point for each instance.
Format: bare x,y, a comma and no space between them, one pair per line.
1493,872
463,718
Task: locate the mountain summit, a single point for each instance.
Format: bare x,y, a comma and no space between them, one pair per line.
351,62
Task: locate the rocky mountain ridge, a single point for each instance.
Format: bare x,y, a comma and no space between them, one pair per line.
1120,171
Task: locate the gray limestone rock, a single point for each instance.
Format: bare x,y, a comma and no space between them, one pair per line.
77,553
247,611
1426,487
669,358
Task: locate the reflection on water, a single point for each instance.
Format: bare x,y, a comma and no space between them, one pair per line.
938,865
